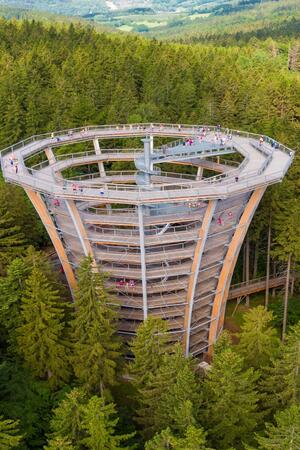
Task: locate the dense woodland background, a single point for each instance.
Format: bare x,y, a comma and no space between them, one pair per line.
64,379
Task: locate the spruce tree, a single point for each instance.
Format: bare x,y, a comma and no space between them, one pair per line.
170,396
281,383
11,291
12,240
86,423
68,417
148,348
194,439
285,435
9,437
99,426
40,337
258,341
223,343
96,348
230,401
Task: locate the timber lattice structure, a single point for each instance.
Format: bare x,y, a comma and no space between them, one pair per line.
168,241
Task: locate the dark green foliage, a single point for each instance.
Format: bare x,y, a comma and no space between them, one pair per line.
170,396
96,348
148,350
81,423
285,434
40,336
194,439
281,384
293,311
57,78
12,240
27,400
230,408
258,341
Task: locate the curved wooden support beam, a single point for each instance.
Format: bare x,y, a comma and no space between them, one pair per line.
50,155
202,236
218,312
80,229
42,211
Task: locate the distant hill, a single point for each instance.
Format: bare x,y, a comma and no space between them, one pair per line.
191,20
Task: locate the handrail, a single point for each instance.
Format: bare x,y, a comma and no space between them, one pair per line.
135,127
257,280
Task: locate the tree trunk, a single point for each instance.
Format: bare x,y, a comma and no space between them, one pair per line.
286,297
255,262
268,266
247,267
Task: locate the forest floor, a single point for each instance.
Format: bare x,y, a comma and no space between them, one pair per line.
235,314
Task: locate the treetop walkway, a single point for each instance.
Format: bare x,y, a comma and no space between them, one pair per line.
168,240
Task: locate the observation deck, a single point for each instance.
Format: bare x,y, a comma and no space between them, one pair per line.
167,238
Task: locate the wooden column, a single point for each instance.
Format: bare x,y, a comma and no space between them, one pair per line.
100,163
80,229
42,211
50,155
202,236
218,312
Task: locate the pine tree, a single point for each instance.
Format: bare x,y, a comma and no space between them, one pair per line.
230,401
258,340
285,434
12,240
40,337
170,396
85,423
11,291
194,439
223,343
96,348
281,383
9,437
148,348
99,426
68,417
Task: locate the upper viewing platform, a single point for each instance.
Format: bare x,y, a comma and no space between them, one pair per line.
263,161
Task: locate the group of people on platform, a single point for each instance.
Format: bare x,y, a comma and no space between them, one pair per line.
125,283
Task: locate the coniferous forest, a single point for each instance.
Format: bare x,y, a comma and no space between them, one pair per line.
66,381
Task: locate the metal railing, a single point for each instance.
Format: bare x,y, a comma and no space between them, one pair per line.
141,128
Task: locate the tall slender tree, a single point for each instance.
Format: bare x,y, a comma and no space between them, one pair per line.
40,337
148,348
96,348
67,419
12,240
258,342
281,382
99,426
170,397
230,412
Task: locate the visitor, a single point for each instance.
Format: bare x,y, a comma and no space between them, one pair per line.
74,187
261,141
102,192
236,179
